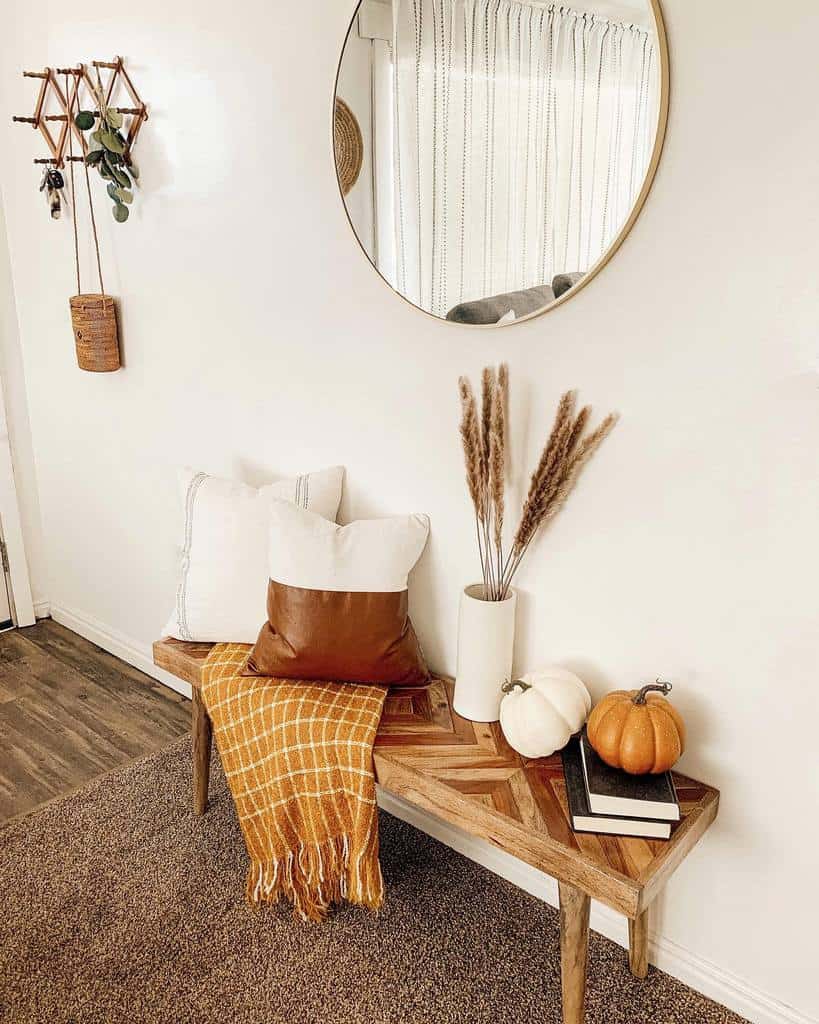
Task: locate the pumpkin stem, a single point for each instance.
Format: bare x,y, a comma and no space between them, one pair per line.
508,687
640,698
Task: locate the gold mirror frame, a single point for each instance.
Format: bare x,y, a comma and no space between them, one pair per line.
594,270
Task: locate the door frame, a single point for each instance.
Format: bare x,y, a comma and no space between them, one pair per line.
11,528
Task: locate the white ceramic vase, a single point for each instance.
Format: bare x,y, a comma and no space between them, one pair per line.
486,638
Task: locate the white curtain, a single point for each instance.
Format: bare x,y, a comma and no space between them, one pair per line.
522,134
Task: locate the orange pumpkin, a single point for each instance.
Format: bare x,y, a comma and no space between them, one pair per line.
637,730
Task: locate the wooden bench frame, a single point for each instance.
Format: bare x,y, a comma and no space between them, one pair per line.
466,774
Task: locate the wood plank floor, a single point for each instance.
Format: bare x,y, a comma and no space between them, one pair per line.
70,712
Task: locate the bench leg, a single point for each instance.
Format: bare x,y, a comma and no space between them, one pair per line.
574,947
202,737
638,945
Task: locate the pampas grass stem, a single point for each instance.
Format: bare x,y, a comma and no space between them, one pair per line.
497,466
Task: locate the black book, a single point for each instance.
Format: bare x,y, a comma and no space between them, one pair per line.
611,791
583,820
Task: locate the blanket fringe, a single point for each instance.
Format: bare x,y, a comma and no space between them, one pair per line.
317,876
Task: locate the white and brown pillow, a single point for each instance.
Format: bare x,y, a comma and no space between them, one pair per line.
223,564
337,600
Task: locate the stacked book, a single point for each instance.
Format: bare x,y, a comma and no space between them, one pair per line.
604,799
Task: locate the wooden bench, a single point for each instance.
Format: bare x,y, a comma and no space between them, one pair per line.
467,774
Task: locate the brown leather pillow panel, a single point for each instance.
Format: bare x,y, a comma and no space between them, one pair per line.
344,636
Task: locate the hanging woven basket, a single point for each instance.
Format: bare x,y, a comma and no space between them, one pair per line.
349,146
93,314
94,319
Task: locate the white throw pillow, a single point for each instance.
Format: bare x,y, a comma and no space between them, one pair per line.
222,586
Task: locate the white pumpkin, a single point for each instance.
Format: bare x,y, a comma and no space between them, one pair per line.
542,710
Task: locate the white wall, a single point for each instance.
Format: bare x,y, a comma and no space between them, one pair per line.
258,340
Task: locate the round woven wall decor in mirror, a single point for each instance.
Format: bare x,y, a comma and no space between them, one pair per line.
348,146
507,146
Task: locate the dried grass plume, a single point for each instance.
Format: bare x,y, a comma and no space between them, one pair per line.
470,439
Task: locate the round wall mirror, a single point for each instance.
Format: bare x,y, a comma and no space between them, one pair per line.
493,154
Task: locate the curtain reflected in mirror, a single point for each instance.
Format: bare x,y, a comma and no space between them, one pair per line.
505,145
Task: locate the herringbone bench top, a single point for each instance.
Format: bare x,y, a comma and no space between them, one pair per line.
467,774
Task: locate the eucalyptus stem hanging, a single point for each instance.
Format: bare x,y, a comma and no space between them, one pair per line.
109,154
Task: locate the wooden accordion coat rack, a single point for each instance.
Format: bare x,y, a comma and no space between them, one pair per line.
93,315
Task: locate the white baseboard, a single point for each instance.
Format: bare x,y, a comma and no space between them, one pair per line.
42,609
693,970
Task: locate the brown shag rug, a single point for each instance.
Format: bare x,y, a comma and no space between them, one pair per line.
118,904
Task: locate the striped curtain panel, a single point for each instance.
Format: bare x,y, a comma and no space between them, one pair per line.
522,134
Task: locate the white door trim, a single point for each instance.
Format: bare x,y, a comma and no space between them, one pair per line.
23,610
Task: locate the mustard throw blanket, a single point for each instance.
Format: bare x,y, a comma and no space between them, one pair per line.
298,760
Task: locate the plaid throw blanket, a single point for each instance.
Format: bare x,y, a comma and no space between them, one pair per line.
298,760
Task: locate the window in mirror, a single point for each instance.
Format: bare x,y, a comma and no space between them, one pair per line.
506,146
